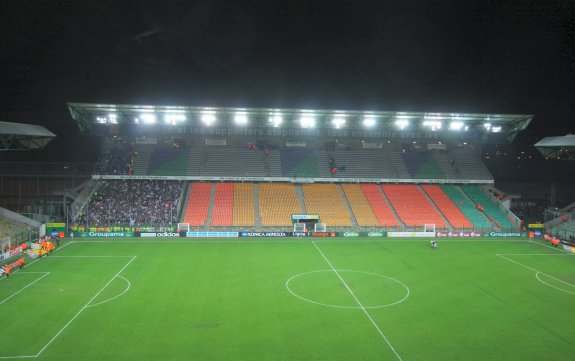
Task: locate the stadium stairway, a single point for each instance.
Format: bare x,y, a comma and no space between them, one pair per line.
198,204
390,206
300,197
362,211
195,160
491,208
274,163
412,206
467,207
211,205
447,207
143,159
257,218
348,206
437,209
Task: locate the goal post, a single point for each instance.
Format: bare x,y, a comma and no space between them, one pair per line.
184,227
320,227
429,227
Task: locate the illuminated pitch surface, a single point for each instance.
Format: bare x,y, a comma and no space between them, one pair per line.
282,300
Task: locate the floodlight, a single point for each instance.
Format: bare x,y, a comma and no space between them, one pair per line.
456,125
101,120
487,126
208,117
241,118
174,118
276,120
113,118
338,122
402,123
369,121
496,129
307,121
433,124
148,118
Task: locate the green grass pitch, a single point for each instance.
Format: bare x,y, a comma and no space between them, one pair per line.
292,299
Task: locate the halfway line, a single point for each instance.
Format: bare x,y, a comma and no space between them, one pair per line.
358,302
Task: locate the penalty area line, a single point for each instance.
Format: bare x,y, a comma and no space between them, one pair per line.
84,307
358,302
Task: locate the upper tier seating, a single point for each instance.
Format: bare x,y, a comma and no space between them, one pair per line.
198,204
490,207
422,165
412,206
243,214
380,208
222,212
467,207
234,163
359,205
326,200
358,164
298,163
167,160
277,202
447,207
564,230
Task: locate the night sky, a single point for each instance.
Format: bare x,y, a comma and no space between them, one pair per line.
458,56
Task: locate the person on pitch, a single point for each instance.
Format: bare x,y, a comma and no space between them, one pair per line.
433,244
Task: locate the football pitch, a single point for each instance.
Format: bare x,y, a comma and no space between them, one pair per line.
292,299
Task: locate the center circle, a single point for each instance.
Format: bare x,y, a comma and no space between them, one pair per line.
326,288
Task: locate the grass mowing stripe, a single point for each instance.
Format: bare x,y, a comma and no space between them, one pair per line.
358,302
83,308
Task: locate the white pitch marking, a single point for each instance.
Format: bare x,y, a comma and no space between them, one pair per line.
535,270
23,288
92,256
83,308
358,302
557,288
348,307
110,299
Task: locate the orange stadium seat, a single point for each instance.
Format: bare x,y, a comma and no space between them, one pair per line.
243,214
412,206
380,208
326,200
454,216
223,205
277,202
198,203
360,206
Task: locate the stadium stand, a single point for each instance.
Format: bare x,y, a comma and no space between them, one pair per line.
491,209
116,159
166,160
243,214
453,215
564,230
278,201
468,165
412,206
326,200
380,208
467,207
360,206
233,162
222,213
133,203
359,164
198,203
298,163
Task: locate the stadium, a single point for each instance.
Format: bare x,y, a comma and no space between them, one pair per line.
219,233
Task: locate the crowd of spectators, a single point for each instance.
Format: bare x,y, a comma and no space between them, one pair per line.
119,160
133,203
529,210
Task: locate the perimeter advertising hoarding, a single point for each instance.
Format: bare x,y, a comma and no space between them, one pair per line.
101,234
362,234
160,234
504,234
314,234
266,234
459,234
212,234
411,234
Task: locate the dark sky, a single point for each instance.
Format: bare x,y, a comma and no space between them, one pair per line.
453,56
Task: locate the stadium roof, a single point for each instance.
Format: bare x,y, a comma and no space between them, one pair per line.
88,115
557,147
17,136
